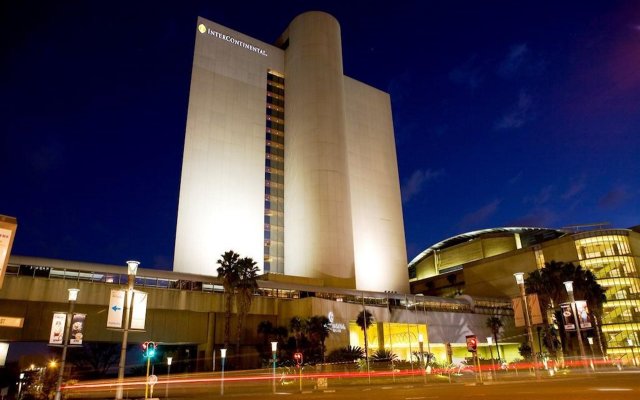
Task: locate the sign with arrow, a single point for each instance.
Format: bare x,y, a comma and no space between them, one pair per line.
116,305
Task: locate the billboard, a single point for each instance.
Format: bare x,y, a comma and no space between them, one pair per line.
56,336
4,350
534,310
138,310
582,312
8,226
568,319
116,308
77,329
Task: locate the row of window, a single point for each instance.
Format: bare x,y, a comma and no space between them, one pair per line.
271,77
275,113
275,138
274,151
275,90
274,175
275,125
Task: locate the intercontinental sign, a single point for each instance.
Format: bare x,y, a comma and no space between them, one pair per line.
203,29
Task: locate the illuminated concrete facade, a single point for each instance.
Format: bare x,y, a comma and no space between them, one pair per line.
280,144
483,264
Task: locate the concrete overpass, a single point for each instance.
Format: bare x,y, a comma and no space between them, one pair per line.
188,309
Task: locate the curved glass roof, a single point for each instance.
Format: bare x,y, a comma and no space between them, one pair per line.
465,237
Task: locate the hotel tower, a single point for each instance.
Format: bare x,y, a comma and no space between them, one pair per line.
289,161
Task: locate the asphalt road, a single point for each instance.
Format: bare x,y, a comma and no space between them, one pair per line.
605,385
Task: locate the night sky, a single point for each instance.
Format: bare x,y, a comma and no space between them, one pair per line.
506,114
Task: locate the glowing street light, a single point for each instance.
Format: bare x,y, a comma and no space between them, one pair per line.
568,285
132,270
73,296
274,348
633,353
223,355
493,367
520,282
166,388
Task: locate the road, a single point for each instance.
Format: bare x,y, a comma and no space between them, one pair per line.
612,385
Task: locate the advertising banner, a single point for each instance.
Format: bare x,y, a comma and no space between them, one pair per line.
77,329
568,318
56,336
8,226
534,310
4,349
138,310
582,312
116,308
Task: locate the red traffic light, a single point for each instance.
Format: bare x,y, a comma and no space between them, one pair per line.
298,358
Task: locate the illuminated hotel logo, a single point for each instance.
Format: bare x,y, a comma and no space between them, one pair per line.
203,29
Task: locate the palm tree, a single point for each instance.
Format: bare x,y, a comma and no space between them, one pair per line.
296,326
246,286
495,323
548,283
346,354
318,330
228,272
364,321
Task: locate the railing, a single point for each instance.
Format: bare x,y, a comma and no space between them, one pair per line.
485,306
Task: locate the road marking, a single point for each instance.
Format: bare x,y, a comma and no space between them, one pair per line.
329,391
386,387
612,389
414,398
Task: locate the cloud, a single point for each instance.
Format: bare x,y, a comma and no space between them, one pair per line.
574,189
480,215
615,197
515,179
417,181
468,74
539,217
514,60
518,115
541,198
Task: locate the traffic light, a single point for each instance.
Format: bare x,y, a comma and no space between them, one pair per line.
298,358
149,349
472,343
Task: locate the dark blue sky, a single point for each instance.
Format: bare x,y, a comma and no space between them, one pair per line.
506,113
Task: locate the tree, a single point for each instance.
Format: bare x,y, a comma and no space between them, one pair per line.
93,360
525,351
364,321
495,323
228,272
548,284
297,326
346,354
246,286
318,330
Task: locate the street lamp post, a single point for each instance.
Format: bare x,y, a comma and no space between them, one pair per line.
223,355
633,353
132,269
166,387
493,366
73,296
590,340
569,287
421,344
274,348
520,281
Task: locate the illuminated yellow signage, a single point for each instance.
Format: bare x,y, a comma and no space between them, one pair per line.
11,322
